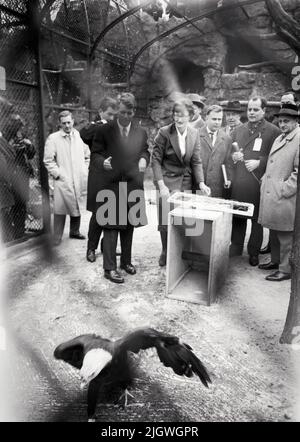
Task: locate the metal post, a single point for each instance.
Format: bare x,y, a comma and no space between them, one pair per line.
34,27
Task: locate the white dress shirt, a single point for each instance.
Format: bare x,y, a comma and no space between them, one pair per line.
182,141
212,136
122,129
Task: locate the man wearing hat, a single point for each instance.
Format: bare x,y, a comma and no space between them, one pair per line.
198,103
233,116
278,193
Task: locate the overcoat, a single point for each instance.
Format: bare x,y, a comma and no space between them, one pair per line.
212,159
124,178
168,164
65,159
246,185
279,184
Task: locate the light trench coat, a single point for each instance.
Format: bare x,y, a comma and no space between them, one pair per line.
279,184
66,159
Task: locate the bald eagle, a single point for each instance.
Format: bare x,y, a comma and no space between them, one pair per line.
105,363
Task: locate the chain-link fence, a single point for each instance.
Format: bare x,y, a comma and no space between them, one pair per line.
20,127
61,72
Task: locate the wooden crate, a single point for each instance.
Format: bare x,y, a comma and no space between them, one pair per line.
197,258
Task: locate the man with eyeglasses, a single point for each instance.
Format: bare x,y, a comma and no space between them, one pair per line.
252,142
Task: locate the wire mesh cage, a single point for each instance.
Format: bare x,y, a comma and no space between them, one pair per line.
20,128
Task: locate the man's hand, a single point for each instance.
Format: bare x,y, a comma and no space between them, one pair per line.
237,156
227,185
252,165
142,165
107,164
205,189
163,190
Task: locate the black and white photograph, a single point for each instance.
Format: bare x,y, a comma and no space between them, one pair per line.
149,214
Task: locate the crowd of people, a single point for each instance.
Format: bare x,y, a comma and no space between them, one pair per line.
260,159
189,154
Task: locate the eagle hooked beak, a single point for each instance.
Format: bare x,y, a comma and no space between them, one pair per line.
93,363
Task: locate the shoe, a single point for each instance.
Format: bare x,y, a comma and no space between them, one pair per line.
113,276
265,250
76,236
129,268
90,255
278,276
268,266
162,259
253,260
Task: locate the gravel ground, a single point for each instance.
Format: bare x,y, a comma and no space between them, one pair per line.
237,338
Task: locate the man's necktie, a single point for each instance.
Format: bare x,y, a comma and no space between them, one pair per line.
124,132
211,137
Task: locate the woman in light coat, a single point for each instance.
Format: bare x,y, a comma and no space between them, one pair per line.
278,193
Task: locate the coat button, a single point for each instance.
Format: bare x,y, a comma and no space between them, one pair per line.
268,176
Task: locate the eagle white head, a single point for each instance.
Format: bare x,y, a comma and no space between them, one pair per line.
94,361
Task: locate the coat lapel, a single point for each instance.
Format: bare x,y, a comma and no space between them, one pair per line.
255,134
174,142
204,136
190,142
219,140
282,140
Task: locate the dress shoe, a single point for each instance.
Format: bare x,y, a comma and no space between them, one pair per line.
90,255
113,276
253,260
278,276
268,266
77,236
162,259
265,250
129,268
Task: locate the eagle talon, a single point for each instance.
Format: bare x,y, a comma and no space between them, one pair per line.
125,394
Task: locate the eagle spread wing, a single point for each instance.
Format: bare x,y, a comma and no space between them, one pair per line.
171,352
73,351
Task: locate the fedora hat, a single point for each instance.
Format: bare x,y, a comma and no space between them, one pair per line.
288,109
233,106
197,99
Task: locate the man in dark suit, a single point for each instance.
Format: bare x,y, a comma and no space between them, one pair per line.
118,160
215,150
107,111
254,140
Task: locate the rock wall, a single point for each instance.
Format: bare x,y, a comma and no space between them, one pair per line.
220,53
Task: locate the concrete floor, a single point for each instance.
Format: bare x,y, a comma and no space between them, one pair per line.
253,376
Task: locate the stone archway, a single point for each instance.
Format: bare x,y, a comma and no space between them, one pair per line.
189,75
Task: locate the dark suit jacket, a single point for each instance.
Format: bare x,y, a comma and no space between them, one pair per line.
212,159
87,133
168,164
125,158
245,187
